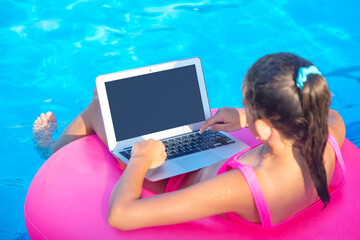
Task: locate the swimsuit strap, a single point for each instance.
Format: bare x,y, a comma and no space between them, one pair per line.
258,196
331,139
250,177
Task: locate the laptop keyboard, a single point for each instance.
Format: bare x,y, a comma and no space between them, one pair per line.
189,143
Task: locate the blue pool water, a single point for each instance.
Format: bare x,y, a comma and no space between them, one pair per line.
52,51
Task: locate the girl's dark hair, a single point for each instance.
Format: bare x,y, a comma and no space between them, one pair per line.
301,115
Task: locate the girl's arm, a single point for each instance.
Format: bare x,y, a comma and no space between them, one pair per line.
218,195
336,126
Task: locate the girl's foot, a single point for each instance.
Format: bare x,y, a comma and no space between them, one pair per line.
43,130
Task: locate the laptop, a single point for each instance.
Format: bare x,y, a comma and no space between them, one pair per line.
166,102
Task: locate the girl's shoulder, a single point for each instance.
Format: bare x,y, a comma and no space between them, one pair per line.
251,156
336,127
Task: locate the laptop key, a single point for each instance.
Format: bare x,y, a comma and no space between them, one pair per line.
183,154
203,148
125,154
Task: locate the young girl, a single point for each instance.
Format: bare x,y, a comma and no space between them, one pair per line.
286,102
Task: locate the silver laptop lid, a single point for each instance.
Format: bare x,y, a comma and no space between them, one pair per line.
157,102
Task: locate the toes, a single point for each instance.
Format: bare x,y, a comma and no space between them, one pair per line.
50,117
44,123
41,121
43,117
38,121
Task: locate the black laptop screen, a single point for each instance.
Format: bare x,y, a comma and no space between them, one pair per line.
154,102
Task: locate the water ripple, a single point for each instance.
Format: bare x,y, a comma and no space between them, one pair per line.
204,8
149,14
71,6
348,72
191,7
160,29
105,34
13,182
22,236
48,25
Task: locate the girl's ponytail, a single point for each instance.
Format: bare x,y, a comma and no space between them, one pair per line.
315,102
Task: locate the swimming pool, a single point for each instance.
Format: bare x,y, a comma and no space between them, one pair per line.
52,51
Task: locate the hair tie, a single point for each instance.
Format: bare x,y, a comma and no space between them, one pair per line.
303,73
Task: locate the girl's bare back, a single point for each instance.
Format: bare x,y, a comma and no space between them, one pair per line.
286,185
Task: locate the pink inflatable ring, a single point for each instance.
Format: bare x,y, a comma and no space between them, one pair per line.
68,199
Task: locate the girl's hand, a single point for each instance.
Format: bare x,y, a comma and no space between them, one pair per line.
226,119
150,151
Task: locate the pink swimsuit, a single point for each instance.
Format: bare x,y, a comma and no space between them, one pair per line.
337,181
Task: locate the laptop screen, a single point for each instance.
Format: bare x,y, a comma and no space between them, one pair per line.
155,102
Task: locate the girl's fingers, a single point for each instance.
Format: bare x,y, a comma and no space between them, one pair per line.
211,121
